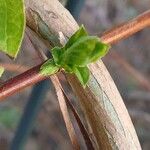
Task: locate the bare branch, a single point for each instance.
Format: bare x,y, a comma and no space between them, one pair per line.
127,29
20,82
65,113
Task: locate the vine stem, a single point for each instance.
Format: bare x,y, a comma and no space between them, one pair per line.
21,81
112,36
126,29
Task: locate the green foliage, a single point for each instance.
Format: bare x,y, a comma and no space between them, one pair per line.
82,74
12,23
1,71
80,50
49,67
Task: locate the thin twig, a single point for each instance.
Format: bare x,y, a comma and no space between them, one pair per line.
127,29
65,113
32,76
29,77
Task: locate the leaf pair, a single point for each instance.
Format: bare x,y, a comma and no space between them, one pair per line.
80,50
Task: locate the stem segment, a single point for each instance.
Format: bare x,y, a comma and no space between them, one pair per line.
127,29
32,76
20,82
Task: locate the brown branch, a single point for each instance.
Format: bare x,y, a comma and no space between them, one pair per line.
32,76
127,29
20,82
65,113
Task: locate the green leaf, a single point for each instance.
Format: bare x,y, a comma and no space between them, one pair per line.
82,74
12,24
86,50
1,71
49,68
81,32
56,53
99,51
74,57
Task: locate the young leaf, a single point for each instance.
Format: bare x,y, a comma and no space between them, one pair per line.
49,68
99,51
82,74
12,24
83,52
74,57
56,53
1,71
75,37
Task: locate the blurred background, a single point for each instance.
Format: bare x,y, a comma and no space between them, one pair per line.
128,63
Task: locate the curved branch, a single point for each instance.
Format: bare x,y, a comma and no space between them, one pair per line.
31,76
101,102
